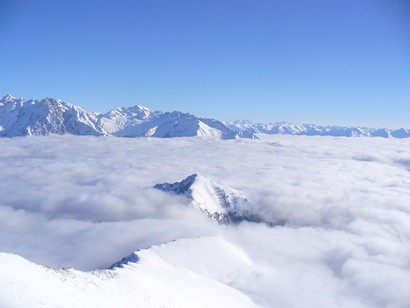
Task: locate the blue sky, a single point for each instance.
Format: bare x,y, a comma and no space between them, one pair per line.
343,62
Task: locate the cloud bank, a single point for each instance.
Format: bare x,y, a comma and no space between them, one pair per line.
339,206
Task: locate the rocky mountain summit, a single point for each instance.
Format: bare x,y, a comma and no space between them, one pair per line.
223,204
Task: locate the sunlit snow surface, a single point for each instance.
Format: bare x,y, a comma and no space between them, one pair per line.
340,209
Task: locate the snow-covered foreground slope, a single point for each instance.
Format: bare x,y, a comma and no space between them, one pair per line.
339,210
186,273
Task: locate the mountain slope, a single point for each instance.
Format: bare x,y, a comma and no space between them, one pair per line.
223,204
42,117
185,273
139,121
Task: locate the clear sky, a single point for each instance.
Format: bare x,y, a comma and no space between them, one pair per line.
343,62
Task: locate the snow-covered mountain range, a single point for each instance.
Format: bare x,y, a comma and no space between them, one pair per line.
20,117
248,129
223,204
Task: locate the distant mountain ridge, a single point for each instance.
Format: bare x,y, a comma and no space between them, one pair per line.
248,129
20,117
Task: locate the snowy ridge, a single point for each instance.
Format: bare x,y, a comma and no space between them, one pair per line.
185,273
223,204
48,116
248,129
19,117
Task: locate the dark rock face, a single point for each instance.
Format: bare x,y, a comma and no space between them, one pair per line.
133,258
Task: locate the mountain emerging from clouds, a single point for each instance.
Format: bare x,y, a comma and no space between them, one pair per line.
20,117
223,204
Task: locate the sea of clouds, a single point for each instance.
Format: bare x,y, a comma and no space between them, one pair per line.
340,209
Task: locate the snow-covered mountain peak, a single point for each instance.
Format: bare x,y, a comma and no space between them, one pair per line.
19,117
143,108
133,112
7,98
178,187
141,111
223,204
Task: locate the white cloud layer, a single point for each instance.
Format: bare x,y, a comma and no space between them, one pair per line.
340,206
